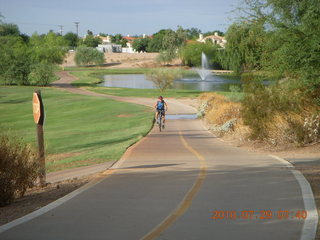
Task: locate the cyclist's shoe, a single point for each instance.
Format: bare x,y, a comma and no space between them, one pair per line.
163,126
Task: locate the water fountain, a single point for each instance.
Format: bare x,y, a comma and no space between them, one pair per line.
204,71
207,81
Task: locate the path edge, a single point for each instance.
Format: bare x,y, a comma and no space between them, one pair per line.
310,225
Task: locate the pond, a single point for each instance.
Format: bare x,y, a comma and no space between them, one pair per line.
212,83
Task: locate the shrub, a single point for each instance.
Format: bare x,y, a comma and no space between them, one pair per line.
164,77
219,109
166,57
15,61
86,56
18,169
279,114
41,74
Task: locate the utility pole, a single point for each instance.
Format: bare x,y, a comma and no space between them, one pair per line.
77,27
61,29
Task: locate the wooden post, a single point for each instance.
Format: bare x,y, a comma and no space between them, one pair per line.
38,115
42,161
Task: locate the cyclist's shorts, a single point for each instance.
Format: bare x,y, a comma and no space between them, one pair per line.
161,110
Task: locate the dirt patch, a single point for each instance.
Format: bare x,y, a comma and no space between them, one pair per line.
120,60
125,115
61,156
38,197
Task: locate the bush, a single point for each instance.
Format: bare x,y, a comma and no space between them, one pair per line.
18,169
164,77
218,109
166,57
41,74
86,56
15,61
279,114
221,113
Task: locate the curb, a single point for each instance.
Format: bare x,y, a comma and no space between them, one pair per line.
104,174
50,206
310,225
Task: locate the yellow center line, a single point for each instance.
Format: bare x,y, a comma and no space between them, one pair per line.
187,201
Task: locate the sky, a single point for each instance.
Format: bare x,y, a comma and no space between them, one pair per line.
128,17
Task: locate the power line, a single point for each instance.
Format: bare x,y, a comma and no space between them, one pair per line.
40,24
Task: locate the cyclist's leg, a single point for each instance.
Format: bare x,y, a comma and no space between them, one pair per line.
157,114
163,116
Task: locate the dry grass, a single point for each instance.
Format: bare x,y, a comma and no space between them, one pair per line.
127,59
280,129
219,108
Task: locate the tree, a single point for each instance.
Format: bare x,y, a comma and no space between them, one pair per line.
50,48
86,56
91,41
116,39
213,33
156,43
245,46
193,33
166,57
15,61
163,77
123,42
293,39
141,44
71,39
191,54
9,29
282,37
25,61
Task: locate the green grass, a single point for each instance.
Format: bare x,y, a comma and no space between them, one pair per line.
79,130
148,93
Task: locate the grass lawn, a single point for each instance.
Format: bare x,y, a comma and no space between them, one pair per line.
149,93
79,130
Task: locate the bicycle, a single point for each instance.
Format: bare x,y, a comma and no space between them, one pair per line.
160,120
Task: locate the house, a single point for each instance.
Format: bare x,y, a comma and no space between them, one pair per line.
105,40
216,39
129,48
109,48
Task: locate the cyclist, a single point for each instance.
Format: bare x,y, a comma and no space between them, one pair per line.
161,105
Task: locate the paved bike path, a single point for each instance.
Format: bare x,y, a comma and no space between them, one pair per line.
153,181
167,187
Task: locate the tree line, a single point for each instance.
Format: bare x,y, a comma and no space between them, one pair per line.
279,39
